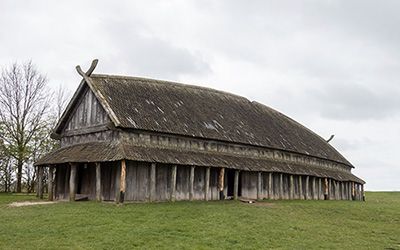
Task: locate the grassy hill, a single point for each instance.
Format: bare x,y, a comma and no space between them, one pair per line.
374,224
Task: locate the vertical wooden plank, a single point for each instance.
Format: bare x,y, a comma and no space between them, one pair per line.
122,182
291,193
236,185
320,192
173,183
72,181
40,181
301,187
191,183
306,189
207,184
98,181
314,189
221,183
326,189
270,186
281,194
362,192
330,189
152,182
50,184
259,185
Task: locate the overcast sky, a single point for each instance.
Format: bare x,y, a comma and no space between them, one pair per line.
334,66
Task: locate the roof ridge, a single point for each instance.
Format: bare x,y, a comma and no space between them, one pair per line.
176,84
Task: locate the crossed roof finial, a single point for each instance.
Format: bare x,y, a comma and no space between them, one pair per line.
89,71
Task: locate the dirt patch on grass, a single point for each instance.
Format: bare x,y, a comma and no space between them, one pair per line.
30,203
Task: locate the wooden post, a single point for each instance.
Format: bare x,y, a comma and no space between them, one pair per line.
173,183
362,192
291,187
40,182
314,189
330,190
352,191
281,194
221,183
236,185
301,196
259,185
326,189
117,184
270,187
307,184
122,182
207,184
98,181
191,183
153,182
50,184
72,181
319,189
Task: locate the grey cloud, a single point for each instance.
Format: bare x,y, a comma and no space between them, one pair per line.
355,102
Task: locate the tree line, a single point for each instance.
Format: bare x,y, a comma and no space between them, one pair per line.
29,110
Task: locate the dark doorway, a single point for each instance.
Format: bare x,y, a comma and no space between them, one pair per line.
230,181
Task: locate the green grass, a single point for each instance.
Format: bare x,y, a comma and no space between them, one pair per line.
374,224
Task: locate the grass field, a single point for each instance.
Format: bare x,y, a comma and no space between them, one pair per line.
374,224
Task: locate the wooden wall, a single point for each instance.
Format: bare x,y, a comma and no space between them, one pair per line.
284,186
87,113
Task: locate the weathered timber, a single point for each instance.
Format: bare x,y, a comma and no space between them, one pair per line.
307,184
51,183
98,181
191,183
152,181
259,185
122,182
207,184
326,189
314,189
72,181
173,182
291,187
301,195
362,192
330,189
281,193
221,183
236,185
270,186
40,181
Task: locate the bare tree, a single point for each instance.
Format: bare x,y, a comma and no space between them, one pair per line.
24,103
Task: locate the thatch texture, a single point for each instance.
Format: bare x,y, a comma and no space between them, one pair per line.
175,108
105,151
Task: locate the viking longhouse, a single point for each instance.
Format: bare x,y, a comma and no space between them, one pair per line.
136,139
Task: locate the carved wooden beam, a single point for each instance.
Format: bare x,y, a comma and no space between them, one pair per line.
89,71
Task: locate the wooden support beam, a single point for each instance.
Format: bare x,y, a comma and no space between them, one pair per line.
259,185
152,182
314,189
98,181
291,187
207,184
191,183
40,181
362,192
320,192
326,189
122,182
72,181
173,182
330,191
301,196
307,185
281,194
221,183
236,185
353,195
51,183
270,186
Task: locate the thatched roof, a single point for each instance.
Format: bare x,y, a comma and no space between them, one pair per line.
174,108
114,151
